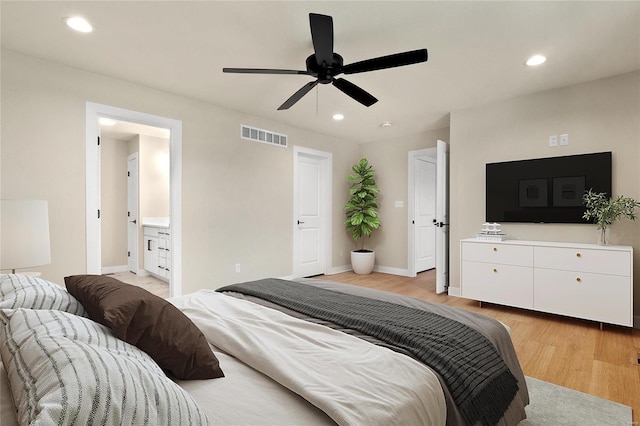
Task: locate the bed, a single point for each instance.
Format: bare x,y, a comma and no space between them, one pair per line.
281,352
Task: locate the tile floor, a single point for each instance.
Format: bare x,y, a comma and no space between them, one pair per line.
148,282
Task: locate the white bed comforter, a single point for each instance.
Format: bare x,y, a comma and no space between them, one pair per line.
354,382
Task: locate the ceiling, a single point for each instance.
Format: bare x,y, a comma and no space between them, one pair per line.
476,52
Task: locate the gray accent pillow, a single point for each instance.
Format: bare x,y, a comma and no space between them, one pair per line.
68,370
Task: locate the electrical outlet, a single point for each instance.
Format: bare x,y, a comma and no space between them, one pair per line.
238,267
553,140
564,139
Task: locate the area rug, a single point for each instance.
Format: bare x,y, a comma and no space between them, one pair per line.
556,405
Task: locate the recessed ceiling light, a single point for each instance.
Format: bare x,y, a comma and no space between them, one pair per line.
78,23
536,60
338,117
104,121
385,124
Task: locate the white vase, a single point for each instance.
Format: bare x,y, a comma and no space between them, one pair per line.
362,261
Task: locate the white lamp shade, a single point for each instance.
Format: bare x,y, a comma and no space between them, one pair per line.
24,234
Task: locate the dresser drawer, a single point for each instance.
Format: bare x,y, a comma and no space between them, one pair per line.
604,261
604,298
505,254
498,283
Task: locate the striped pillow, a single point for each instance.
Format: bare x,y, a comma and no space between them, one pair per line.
22,291
66,369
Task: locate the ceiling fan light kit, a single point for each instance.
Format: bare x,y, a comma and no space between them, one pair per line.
325,65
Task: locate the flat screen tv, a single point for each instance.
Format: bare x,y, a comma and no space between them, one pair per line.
545,190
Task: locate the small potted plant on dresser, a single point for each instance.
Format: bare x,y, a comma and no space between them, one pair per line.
362,214
604,210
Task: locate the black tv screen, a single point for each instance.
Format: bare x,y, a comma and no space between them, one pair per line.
545,190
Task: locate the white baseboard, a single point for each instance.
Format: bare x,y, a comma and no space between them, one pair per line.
123,268
339,269
288,277
453,291
346,268
114,269
392,271
384,269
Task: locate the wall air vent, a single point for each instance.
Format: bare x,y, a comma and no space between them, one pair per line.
264,136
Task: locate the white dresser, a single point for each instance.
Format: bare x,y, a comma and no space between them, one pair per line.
587,281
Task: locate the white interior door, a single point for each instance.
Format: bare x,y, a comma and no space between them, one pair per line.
309,217
425,213
312,203
132,212
442,217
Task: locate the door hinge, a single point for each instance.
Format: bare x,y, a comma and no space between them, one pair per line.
128,214
128,174
98,140
98,213
128,254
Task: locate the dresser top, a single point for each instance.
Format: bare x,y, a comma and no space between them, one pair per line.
583,246
156,222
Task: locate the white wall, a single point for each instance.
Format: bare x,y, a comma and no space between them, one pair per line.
153,173
602,115
113,202
237,195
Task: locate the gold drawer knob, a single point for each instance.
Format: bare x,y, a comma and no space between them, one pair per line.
495,249
495,270
579,279
578,255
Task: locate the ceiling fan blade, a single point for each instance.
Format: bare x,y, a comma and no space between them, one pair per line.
263,71
355,92
390,61
322,36
298,95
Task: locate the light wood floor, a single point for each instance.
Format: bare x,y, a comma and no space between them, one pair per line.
148,282
568,352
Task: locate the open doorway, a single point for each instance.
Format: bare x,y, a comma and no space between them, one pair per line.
428,210
169,217
135,203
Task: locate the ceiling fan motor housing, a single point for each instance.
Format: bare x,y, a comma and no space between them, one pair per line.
324,72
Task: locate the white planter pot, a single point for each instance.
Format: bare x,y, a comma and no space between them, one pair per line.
362,262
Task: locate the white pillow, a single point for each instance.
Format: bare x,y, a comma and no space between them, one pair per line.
23,291
7,408
67,369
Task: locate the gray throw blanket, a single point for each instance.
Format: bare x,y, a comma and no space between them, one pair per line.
480,382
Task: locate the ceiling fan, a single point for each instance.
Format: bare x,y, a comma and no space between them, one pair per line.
325,65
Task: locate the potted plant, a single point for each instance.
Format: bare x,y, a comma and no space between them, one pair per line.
604,211
362,214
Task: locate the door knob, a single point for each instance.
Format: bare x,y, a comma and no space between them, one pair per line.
133,221
300,223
